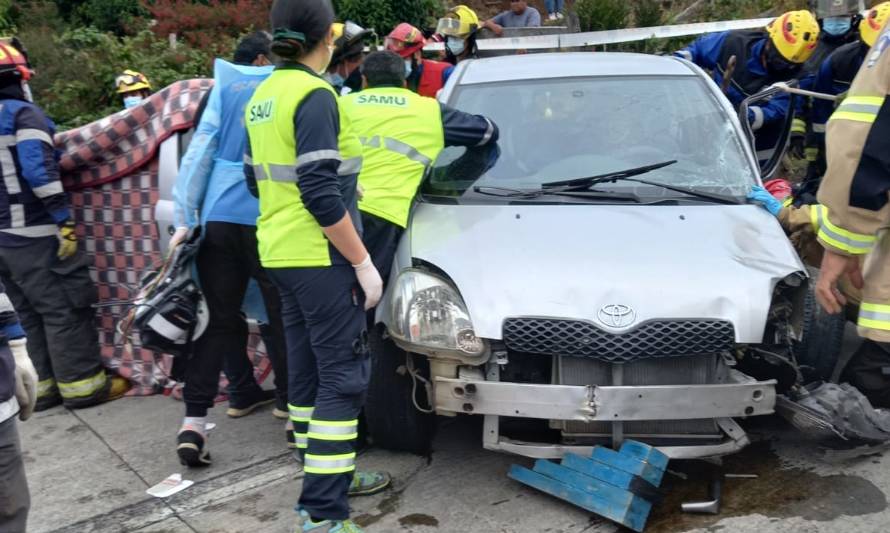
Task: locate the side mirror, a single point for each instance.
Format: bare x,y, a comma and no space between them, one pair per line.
769,168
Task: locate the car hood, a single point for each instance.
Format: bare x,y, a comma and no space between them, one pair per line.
568,261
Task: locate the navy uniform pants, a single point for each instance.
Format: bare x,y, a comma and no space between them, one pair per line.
328,372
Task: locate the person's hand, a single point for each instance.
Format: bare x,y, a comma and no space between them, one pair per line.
797,146
370,281
67,240
495,27
178,236
25,378
835,265
359,191
763,198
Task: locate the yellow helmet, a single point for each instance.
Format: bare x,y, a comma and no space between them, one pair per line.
460,21
794,35
348,40
873,22
131,81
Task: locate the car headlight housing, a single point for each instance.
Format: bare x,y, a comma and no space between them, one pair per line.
427,315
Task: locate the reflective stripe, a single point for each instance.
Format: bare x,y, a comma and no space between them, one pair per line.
868,118
10,178
488,133
842,239
302,440
350,166
51,188
7,140
259,173
407,150
248,160
16,215
330,430
329,464
85,387
300,414
874,316
46,387
318,155
758,117
373,142
875,101
818,127
5,304
45,230
283,173
815,212
859,109
30,134
798,126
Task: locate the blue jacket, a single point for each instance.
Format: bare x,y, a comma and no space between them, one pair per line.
10,329
212,169
32,200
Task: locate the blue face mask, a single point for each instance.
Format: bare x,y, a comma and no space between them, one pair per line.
131,101
336,80
455,45
837,26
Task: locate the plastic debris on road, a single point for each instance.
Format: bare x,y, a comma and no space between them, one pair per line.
170,486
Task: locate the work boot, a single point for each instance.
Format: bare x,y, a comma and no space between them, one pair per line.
48,402
869,371
115,389
281,411
369,483
305,524
190,448
243,406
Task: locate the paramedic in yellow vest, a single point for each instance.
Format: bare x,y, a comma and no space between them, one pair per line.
856,230
402,133
303,161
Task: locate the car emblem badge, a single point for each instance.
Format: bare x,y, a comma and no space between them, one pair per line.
617,316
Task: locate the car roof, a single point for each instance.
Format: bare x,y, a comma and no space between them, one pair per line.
571,65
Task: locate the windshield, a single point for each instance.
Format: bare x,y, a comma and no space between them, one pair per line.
565,129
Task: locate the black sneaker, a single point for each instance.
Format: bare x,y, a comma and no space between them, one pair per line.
190,448
239,407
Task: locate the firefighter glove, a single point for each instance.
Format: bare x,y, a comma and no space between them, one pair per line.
25,378
763,198
67,240
370,281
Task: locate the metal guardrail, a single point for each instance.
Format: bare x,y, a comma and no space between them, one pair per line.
597,38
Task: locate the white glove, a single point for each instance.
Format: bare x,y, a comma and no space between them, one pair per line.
369,279
25,378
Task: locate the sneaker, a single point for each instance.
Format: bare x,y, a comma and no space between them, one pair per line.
552,16
369,483
560,16
240,407
190,448
306,525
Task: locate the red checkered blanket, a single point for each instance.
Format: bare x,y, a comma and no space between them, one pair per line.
110,169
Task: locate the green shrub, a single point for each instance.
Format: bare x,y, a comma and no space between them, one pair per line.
597,15
384,15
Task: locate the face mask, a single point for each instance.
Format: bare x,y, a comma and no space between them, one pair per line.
27,90
409,66
455,46
328,62
837,25
335,79
131,101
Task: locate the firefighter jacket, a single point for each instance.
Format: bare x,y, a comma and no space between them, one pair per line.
402,134
834,77
32,201
856,187
10,329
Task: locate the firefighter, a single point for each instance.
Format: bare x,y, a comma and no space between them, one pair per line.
349,42
18,396
856,193
303,161
424,76
133,87
763,57
834,77
459,28
838,20
403,133
45,274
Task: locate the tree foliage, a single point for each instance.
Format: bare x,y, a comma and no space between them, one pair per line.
597,15
384,15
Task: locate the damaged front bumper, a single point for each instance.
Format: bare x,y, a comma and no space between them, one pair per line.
591,403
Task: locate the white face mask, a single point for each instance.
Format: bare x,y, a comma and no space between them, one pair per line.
131,101
455,45
27,90
409,66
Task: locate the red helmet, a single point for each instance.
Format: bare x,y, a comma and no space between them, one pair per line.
13,62
779,188
405,40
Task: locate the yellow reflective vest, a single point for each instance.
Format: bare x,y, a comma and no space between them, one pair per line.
402,134
288,234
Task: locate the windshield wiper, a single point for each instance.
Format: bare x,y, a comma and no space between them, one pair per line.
503,192
582,184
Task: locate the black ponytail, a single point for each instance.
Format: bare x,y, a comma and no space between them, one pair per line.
298,26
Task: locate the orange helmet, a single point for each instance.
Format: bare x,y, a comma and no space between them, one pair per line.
13,62
405,40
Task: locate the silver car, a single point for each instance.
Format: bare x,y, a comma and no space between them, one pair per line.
596,276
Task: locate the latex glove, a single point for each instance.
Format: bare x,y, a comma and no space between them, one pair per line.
763,198
25,378
370,280
67,240
797,146
178,236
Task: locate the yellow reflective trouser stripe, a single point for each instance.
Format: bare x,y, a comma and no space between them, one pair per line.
300,414
853,243
333,430
329,464
798,126
874,316
46,387
85,387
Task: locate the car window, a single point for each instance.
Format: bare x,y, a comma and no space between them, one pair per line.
553,130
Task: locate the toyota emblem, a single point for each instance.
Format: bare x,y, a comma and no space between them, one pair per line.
617,316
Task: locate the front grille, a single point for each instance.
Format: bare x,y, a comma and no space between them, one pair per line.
575,338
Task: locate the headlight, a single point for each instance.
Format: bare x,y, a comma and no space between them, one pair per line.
429,316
